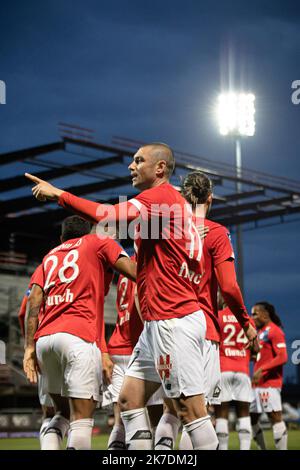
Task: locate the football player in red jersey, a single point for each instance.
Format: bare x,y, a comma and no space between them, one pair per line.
218,260
64,344
235,380
44,397
174,328
268,374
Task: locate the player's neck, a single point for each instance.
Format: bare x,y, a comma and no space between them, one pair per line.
159,182
200,211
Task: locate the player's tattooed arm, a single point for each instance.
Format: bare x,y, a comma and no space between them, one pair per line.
34,303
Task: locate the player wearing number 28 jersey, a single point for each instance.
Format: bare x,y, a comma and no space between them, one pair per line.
72,286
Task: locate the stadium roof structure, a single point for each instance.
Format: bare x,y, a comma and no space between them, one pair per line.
99,172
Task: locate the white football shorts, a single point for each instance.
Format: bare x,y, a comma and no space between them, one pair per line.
111,394
266,400
44,397
171,352
212,372
235,386
70,365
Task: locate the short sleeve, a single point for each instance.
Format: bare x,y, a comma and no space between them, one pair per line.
277,339
109,251
37,277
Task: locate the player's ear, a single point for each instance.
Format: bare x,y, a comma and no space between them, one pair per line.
210,199
161,167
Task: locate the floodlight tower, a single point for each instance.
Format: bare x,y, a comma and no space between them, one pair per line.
236,118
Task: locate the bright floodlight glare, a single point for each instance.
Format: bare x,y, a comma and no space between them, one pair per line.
236,114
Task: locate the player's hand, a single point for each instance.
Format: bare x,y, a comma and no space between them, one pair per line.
251,334
107,368
257,376
43,190
30,365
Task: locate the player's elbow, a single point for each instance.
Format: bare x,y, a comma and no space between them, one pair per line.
229,289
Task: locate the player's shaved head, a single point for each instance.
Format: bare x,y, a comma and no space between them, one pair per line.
160,151
74,227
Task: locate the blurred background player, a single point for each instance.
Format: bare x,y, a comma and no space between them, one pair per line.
235,379
69,334
44,397
268,374
219,270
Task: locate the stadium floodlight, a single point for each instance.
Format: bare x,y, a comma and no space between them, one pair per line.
236,114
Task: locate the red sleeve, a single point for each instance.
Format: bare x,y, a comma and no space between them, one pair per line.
109,250
37,277
94,212
225,273
220,245
277,339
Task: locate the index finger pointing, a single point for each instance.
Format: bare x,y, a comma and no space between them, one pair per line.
33,178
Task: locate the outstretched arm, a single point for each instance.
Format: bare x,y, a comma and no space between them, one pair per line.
93,211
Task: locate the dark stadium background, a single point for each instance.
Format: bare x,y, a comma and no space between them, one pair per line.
152,71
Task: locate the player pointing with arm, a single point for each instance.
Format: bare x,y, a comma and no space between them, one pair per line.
166,265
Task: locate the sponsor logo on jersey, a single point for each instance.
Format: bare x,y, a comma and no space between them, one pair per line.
164,366
68,297
229,319
187,273
235,352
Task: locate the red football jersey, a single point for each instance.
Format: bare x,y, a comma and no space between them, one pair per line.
233,355
22,312
74,275
216,249
272,343
168,258
129,325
